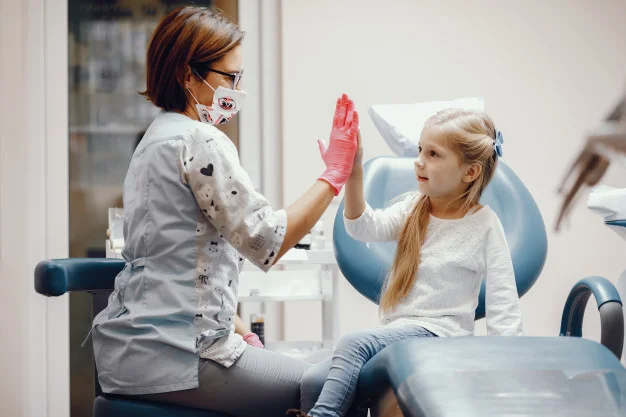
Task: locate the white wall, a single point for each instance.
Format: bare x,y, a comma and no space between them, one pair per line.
547,70
13,357
34,352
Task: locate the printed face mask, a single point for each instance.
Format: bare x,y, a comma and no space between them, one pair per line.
226,104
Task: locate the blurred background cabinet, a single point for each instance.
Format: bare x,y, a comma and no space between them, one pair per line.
108,41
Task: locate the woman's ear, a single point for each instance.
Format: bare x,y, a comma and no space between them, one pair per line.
189,77
472,172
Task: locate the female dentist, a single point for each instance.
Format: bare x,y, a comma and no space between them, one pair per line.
191,216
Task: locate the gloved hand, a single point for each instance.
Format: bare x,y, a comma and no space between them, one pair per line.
339,154
253,340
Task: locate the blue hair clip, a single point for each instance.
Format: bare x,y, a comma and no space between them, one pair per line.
497,144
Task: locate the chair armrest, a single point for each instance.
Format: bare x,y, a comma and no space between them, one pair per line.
610,308
55,277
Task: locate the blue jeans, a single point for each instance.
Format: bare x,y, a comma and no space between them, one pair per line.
352,352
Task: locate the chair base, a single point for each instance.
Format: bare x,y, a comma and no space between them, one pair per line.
122,406
386,406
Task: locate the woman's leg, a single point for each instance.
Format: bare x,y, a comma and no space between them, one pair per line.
353,351
261,383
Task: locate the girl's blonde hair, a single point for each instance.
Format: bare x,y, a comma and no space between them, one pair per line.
472,135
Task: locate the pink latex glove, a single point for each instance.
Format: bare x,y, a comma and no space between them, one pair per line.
338,155
253,340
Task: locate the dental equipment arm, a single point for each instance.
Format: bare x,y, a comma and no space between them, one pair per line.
605,144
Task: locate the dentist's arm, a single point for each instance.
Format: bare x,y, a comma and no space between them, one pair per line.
304,213
338,156
250,338
210,168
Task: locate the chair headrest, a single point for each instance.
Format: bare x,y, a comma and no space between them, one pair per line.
365,265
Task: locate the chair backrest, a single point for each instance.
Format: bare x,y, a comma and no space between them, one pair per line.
365,265
55,277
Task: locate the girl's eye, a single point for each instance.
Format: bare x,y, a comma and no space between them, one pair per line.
419,149
433,153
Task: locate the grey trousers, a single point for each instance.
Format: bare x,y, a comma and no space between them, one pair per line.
260,383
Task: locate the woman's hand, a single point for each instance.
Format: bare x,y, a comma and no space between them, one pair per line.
250,338
253,340
339,154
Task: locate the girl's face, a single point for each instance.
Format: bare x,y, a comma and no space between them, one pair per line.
439,170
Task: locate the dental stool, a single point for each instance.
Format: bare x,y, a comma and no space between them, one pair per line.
58,276
476,376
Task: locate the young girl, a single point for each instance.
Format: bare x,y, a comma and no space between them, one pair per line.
447,243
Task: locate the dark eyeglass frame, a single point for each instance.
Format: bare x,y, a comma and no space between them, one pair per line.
235,76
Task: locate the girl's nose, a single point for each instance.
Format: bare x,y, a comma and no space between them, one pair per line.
419,163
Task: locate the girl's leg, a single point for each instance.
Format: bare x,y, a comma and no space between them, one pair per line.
353,351
260,384
312,384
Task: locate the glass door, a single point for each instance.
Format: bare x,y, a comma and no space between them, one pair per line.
107,118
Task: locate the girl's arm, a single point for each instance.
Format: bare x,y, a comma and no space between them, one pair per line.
354,201
363,223
504,317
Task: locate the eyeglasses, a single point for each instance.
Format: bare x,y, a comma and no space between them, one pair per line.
235,76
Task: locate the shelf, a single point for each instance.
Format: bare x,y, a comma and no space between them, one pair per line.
301,257
309,351
316,297
106,130
296,257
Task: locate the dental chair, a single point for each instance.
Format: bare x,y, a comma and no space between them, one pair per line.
478,376
56,277
470,376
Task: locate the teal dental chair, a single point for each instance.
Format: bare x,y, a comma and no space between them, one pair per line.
480,376
438,377
59,276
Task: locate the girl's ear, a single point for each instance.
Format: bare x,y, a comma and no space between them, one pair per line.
472,172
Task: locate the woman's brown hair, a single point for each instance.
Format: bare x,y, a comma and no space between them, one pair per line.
189,36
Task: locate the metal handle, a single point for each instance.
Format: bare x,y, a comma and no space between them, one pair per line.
610,308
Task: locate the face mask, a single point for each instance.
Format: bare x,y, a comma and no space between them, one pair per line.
226,104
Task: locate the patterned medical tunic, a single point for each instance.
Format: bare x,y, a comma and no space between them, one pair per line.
191,217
